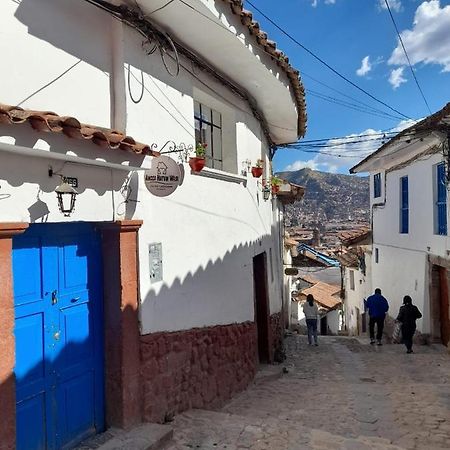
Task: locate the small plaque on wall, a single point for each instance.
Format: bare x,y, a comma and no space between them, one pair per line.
155,256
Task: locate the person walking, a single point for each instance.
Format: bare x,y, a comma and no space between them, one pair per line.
378,306
407,316
311,312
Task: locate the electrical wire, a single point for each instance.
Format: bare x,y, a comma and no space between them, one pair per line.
141,95
325,63
407,56
304,74
350,106
49,83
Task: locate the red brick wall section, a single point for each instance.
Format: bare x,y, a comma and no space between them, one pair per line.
197,368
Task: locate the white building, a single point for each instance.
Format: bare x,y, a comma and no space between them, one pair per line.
134,307
356,261
408,199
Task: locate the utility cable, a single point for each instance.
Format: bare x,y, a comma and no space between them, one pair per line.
325,63
50,82
407,57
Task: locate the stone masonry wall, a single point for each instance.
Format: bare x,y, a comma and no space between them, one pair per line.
197,368
276,337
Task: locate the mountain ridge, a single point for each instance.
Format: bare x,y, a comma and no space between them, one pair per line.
329,197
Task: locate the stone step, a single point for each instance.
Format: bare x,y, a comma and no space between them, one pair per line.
208,430
148,436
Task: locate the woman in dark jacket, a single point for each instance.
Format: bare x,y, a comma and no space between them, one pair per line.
407,316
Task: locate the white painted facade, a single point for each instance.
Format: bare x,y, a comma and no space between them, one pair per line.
400,262
215,222
356,292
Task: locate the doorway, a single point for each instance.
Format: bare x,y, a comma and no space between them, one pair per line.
261,306
323,326
57,275
440,316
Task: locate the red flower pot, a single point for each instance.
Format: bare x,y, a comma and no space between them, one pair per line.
257,171
196,164
275,188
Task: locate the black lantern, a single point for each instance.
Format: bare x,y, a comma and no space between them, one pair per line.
266,192
66,195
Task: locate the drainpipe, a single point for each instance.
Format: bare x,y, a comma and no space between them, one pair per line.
117,78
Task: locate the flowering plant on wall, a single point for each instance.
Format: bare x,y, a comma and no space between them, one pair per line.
257,169
198,161
275,183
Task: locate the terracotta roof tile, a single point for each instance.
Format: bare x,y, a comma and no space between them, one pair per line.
47,121
269,46
349,237
323,294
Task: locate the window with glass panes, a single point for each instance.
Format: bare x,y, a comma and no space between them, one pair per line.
208,130
441,200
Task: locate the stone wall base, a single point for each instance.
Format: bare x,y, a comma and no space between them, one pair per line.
197,368
276,337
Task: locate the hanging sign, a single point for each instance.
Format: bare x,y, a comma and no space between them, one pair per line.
163,177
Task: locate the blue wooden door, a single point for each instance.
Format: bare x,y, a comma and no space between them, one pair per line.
58,328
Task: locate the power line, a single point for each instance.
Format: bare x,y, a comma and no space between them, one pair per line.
50,82
407,57
351,106
325,63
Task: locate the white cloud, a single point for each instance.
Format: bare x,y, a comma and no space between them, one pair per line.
395,5
327,2
365,68
344,153
396,77
429,39
298,165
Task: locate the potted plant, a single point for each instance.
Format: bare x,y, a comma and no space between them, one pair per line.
257,169
275,183
198,161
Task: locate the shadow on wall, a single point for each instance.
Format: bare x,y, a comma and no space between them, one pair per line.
16,169
87,40
197,365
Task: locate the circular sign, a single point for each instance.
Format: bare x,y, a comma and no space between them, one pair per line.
163,177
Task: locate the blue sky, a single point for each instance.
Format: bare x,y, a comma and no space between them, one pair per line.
358,39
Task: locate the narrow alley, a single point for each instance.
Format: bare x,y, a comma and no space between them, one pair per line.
344,394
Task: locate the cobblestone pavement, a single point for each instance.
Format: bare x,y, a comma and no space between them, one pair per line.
344,394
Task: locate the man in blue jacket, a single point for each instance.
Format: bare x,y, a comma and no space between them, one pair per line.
378,307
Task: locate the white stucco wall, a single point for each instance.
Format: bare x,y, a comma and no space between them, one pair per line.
402,267
354,298
210,228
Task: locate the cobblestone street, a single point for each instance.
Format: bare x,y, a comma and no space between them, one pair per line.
344,394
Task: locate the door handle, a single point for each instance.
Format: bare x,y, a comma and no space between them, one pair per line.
57,335
54,297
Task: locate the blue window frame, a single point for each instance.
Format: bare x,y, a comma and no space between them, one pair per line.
404,205
441,200
377,185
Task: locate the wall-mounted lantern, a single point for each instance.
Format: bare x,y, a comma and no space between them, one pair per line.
66,195
266,192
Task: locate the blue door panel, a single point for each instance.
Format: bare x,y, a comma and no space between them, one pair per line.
77,341
77,412
74,266
59,346
27,266
31,426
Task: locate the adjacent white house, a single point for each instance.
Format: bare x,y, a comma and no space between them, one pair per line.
130,304
410,217
356,259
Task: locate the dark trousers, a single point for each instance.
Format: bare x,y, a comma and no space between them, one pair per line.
380,325
312,330
407,335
